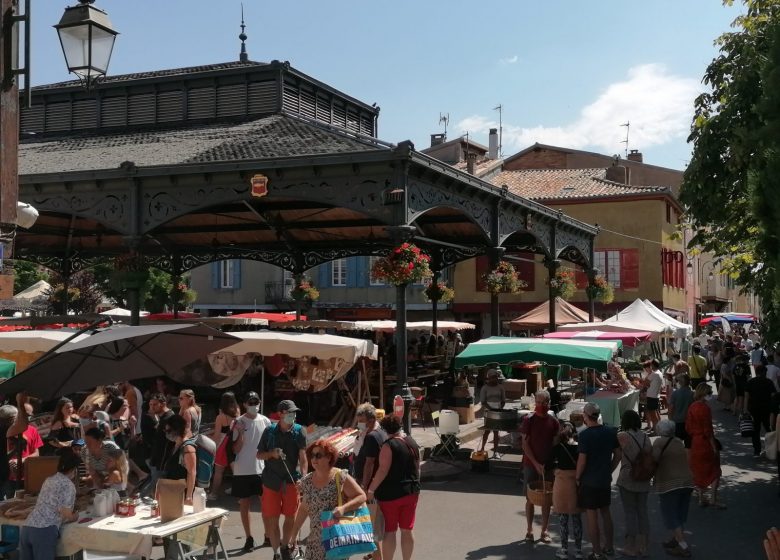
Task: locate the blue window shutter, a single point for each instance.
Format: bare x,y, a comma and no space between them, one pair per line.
322,275
362,269
352,272
215,275
237,274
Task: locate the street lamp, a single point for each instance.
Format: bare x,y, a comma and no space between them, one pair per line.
87,40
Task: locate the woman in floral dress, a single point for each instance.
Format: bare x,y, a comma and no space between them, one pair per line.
318,494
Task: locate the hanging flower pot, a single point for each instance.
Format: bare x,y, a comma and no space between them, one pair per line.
305,291
503,279
563,284
440,292
601,290
406,264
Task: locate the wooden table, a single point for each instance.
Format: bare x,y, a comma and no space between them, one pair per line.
191,535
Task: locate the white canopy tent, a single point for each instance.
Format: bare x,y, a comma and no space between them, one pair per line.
121,312
390,326
683,329
636,317
38,290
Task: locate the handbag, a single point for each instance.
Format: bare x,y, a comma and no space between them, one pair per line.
746,425
770,444
349,535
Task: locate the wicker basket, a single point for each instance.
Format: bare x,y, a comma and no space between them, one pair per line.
540,492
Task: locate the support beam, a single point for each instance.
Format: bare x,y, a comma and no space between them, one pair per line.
552,266
495,254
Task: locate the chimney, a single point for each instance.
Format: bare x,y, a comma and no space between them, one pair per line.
634,155
617,174
493,144
471,159
437,139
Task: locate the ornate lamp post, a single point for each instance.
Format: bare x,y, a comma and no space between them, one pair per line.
87,40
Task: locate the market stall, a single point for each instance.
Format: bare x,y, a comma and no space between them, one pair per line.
613,404
539,317
638,316
24,347
128,535
631,339
503,350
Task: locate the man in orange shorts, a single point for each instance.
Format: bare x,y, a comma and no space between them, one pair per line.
283,448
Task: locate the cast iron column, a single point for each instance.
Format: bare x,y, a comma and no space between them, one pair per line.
435,303
176,277
297,279
591,302
400,350
494,256
400,234
552,266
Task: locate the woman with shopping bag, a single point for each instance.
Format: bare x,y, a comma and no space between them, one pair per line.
329,494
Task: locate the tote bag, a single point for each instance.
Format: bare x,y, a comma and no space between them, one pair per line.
350,535
770,443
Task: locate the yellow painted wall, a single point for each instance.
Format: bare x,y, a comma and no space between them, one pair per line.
642,219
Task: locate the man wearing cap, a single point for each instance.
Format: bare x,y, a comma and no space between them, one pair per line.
599,455
283,448
247,467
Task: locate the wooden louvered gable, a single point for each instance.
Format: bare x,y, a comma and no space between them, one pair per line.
140,101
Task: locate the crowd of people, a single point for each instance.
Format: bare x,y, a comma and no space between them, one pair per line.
674,457
125,440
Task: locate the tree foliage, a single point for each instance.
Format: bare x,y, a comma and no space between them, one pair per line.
26,274
727,186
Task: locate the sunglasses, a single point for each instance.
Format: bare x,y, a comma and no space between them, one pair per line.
319,455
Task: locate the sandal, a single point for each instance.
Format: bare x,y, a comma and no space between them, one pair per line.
529,538
546,539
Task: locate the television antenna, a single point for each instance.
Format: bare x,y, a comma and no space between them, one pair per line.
627,124
444,118
500,109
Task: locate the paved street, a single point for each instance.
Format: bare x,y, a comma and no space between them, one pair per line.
478,516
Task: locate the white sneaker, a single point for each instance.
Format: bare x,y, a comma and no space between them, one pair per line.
562,553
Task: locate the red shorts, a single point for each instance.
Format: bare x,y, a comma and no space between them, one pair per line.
221,458
399,513
284,502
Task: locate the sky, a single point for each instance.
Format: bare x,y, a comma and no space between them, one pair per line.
566,72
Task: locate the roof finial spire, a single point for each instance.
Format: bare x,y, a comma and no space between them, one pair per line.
243,57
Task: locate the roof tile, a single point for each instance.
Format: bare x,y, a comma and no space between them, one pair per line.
269,137
566,184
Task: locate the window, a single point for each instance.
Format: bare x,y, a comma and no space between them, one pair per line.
339,272
620,267
374,281
673,268
226,274
608,262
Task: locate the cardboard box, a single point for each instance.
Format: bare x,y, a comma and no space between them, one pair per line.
515,388
466,414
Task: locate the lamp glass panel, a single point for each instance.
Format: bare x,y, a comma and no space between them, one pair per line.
76,47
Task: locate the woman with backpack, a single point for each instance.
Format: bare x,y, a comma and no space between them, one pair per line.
636,470
228,412
182,462
564,459
674,485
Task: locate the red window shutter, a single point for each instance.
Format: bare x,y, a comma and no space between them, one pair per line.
629,268
581,279
482,267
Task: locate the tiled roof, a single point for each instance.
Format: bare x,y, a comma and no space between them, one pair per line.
157,74
268,137
564,184
482,165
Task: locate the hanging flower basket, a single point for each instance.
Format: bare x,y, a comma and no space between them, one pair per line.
305,291
503,280
440,292
405,264
601,290
563,284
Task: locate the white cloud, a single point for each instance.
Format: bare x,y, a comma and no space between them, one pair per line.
659,106
509,59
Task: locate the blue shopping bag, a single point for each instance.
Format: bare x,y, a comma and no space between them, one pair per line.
350,535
